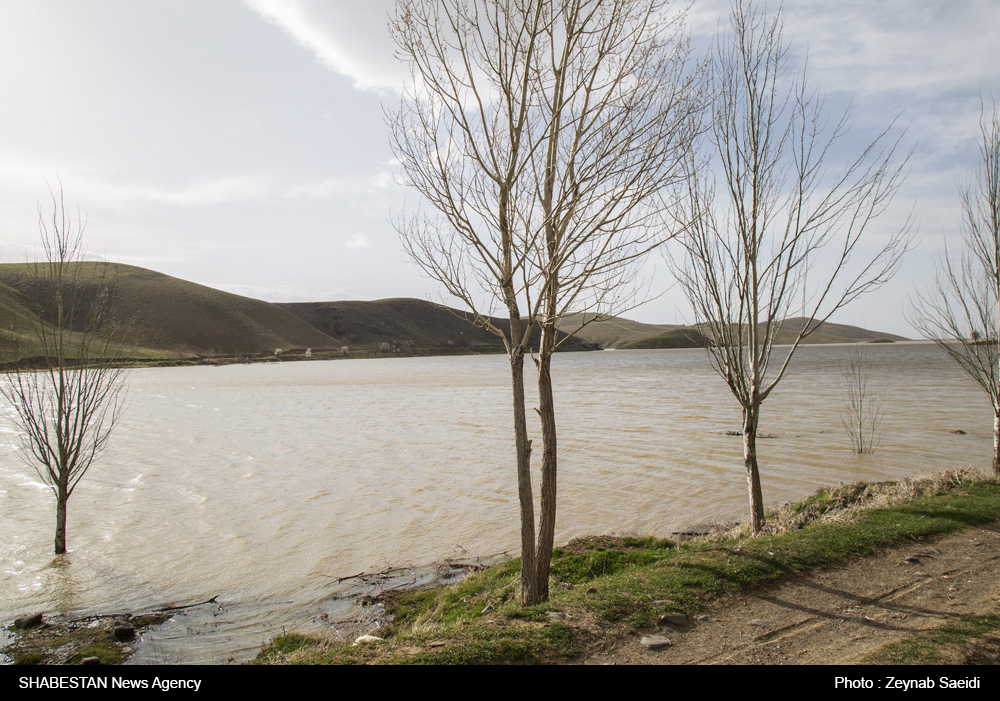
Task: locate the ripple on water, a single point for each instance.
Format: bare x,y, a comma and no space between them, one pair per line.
263,484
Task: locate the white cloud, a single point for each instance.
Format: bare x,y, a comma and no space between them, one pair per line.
96,189
349,38
14,253
237,188
343,187
357,241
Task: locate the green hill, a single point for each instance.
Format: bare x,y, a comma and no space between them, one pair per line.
409,326
694,337
830,332
172,318
683,337
170,315
616,332
16,317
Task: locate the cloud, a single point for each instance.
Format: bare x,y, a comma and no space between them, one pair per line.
237,188
14,253
343,187
357,241
349,38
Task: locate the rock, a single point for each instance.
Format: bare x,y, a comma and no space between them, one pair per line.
655,642
90,660
25,622
674,619
124,631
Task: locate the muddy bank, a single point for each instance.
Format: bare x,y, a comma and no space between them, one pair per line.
98,639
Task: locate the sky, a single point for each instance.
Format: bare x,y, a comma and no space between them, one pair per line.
242,144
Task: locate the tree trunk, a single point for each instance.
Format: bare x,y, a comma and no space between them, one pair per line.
60,540
996,444
547,413
529,588
753,475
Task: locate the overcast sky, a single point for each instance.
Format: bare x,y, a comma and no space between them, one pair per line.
241,144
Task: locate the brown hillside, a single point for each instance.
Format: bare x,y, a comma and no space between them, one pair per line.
176,316
410,325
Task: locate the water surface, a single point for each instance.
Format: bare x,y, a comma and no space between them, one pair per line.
262,484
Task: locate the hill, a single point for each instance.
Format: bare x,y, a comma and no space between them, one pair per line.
683,337
615,332
172,316
408,323
409,326
828,332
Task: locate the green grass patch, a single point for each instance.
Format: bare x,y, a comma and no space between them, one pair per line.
493,641
634,581
939,645
67,647
63,643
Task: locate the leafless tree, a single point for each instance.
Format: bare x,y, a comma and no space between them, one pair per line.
863,416
544,136
961,312
65,400
782,232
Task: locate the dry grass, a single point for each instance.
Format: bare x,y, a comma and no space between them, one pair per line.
845,503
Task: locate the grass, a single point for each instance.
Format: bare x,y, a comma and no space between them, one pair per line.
600,583
71,644
956,640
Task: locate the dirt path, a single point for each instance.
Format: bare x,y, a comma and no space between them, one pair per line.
838,614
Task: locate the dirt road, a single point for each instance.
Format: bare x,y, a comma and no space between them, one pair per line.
840,614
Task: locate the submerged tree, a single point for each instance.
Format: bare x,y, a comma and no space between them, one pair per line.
65,383
961,312
863,416
544,136
782,232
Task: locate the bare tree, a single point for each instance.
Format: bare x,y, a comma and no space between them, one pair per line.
785,232
961,312
863,417
543,135
66,400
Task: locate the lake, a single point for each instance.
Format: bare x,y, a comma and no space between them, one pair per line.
263,484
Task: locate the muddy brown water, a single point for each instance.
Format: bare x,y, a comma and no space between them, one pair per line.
263,484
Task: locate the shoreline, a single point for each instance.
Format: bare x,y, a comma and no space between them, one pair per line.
642,588
297,354
380,603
